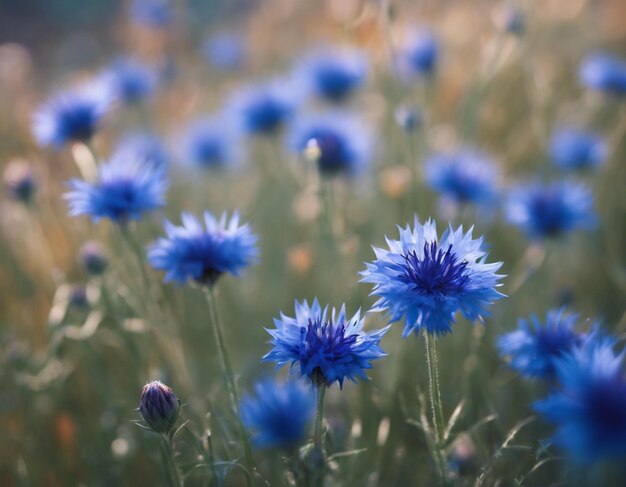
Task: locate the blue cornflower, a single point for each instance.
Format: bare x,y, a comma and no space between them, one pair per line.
131,81
142,146
71,116
333,74
466,176
535,347
210,143
263,109
278,415
572,149
125,189
589,406
329,347
203,252
152,13
427,280
225,51
550,210
418,56
337,142
604,72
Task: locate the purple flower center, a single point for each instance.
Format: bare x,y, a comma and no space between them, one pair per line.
323,344
437,273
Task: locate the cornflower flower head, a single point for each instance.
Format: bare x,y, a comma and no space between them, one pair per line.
426,280
333,74
159,407
467,176
588,406
337,142
605,73
142,146
328,346
264,108
550,210
278,415
125,190
72,115
535,347
20,181
156,14
202,253
225,51
418,56
210,143
575,149
130,81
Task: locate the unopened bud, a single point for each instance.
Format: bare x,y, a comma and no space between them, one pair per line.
159,407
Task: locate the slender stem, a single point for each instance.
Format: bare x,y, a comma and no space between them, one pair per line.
326,223
170,462
319,417
228,372
436,405
433,383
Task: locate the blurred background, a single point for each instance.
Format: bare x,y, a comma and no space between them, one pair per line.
72,364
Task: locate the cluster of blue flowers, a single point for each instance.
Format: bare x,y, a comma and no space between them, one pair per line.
587,403
423,279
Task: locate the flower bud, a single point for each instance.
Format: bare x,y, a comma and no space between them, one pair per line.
93,258
409,118
78,297
159,407
20,181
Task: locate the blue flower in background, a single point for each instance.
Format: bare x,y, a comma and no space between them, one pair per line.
329,347
334,74
71,116
203,252
604,72
418,56
225,51
535,347
263,109
143,147
131,81
572,149
550,210
125,189
589,406
427,280
278,415
464,177
210,143
337,142
152,13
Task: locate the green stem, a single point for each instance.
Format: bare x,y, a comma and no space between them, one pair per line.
228,372
170,462
433,383
319,417
436,405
